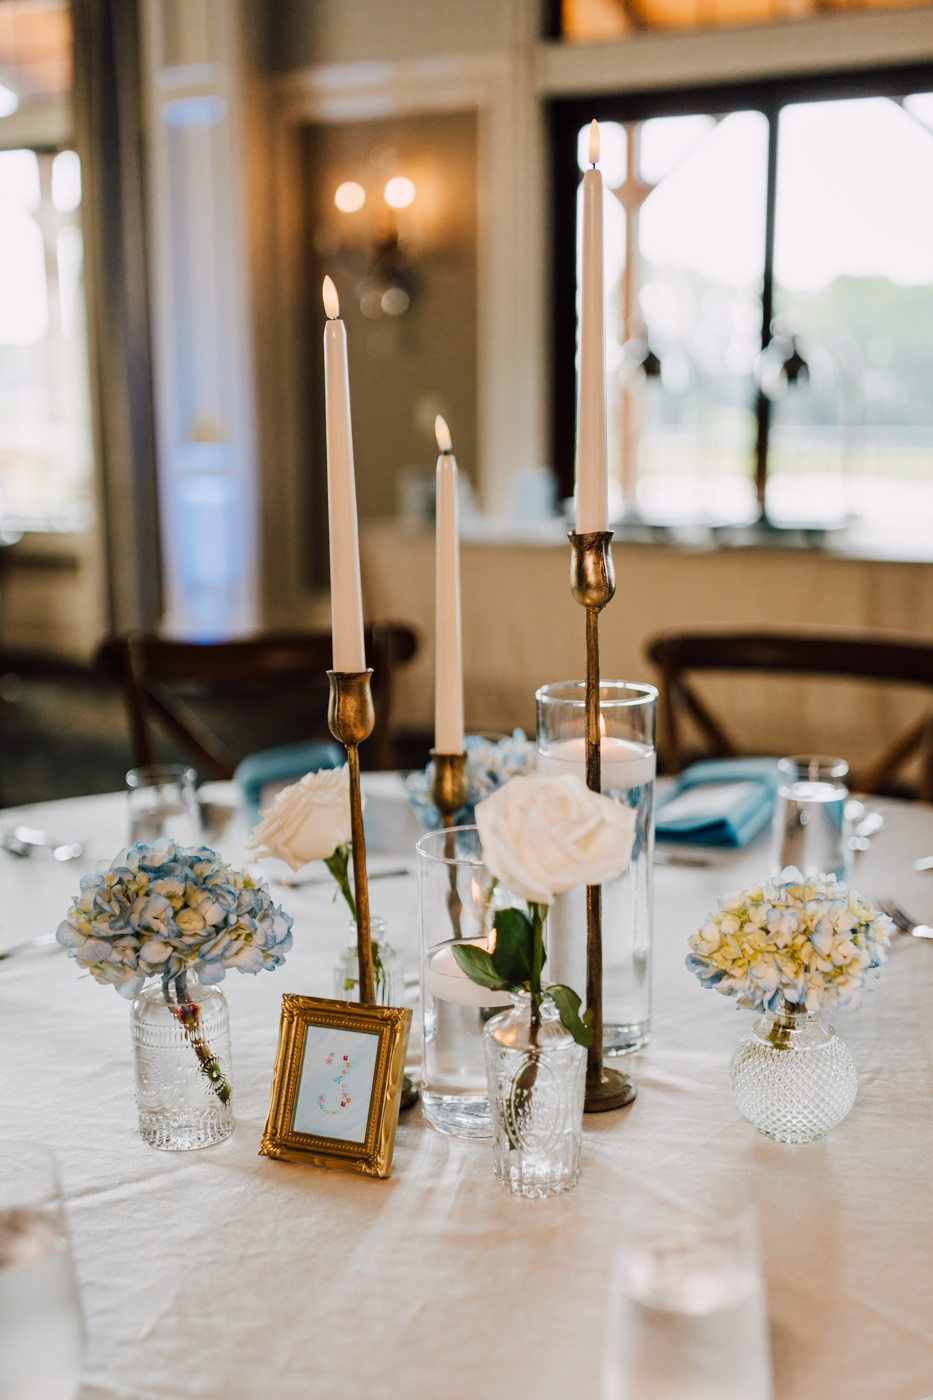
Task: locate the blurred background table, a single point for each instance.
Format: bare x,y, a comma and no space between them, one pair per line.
223,1274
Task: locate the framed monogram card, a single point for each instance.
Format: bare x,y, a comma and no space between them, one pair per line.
337,1084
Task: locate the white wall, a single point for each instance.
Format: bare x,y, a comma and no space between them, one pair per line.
308,32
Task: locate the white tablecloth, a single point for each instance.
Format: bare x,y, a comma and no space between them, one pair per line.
223,1274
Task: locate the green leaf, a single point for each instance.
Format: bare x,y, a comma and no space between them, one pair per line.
568,1004
478,966
514,945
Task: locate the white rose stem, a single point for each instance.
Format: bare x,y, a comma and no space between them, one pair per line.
593,584
449,789
350,714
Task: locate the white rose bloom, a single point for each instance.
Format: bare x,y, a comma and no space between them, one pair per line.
543,836
306,821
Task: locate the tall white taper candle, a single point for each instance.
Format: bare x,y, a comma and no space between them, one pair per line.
346,594
448,672
592,463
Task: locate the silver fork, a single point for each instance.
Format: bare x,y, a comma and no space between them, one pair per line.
902,921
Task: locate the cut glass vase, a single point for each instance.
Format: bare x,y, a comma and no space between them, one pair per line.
792,1077
536,1096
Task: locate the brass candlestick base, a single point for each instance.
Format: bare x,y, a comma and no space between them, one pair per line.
350,717
593,583
450,788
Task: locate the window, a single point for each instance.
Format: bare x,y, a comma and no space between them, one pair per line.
770,341
45,451
587,21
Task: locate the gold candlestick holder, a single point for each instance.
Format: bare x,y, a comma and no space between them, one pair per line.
350,718
449,793
593,583
450,788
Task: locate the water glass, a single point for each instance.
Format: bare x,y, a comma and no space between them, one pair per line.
687,1316
810,829
457,902
627,721
162,800
41,1327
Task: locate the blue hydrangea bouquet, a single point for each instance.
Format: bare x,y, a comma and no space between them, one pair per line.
175,913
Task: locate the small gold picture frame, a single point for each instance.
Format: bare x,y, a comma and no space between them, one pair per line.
337,1084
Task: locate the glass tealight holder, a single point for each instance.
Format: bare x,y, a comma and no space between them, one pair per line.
457,901
388,972
810,829
687,1313
41,1325
627,724
162,801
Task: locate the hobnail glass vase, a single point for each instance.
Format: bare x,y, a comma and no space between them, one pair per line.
792,1077
388,972
536,1096
181,1042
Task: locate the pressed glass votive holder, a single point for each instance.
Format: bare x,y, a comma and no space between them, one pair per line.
627,725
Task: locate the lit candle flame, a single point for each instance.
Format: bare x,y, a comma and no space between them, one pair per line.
331,299
594,141
602,726
442,433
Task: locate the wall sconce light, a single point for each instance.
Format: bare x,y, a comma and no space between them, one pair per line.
399,192
378,250
350,197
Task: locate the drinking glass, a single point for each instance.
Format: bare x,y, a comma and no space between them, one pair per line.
627,719
687,1316
457,901
162,801
41,1327
810,829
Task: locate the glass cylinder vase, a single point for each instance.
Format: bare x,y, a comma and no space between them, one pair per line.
388,972
457,901
627,723
536,1078
792,1077
181,1042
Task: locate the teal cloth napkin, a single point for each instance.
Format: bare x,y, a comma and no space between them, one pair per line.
720,802
285,764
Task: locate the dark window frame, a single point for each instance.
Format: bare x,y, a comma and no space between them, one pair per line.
565,117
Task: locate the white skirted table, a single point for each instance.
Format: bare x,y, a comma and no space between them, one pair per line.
226,1276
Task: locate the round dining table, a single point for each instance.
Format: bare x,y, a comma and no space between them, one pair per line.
224,1275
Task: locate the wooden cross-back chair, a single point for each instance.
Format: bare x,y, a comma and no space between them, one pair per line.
149,666
811,653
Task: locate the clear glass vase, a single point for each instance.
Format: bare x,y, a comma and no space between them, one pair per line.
536,1095
627,720
792,1077
388,972
181,1041
457,901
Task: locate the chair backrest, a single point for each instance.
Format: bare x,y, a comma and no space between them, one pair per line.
149,666
811,653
